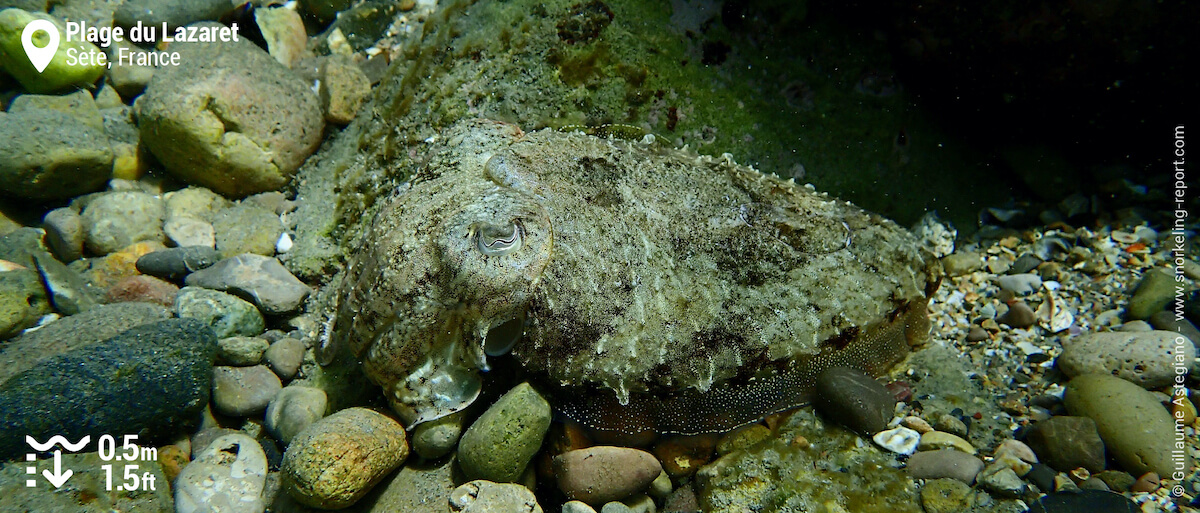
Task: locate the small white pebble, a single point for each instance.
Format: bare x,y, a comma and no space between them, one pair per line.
900,440
284,244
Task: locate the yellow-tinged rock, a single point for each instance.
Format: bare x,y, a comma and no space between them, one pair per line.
334,462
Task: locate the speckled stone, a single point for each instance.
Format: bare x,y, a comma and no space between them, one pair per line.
944,463
336,461
436,438
115,220
241,351
285,356
246,229
1146,359
243,391
499,445
228,315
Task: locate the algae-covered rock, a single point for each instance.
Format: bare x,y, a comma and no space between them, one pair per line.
64,71
780,476
499,445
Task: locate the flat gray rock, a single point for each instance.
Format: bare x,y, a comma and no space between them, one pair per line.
262,280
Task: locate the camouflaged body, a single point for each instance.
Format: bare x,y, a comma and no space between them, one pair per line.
656,289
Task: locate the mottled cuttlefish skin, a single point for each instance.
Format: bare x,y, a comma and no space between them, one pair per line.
658,290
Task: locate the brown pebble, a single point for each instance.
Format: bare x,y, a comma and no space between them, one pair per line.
1019,315
142,288
1147,483
977,334
598,475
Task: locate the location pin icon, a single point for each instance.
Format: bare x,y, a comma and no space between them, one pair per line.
40,57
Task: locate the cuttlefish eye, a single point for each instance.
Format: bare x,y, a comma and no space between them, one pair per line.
498,240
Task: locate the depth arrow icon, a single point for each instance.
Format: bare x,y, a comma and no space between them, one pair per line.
58,478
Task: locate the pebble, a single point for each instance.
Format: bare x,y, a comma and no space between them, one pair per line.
69,293
246,228
64,233
107,271
334,462
1067,443
1148,483
961,264
499,445
60,73
854,399
577,507
195,202
1153,293
977,334
283,31
946,496
175,263
277,117
935,440
243,391
481,496
343,89
1020,284
1015,449
1042,476
228,476
293,409
1026,263
950,424
285,356
115,220
436,438
1001,481
1116,480
1019,315
899,440
65,158
635,504
23,301
1144,358
944,463
228,315
1092,483
189,231
1134,426
153,377
661,487
1165,320
917,424
682,500
241,351
261,279
601,474
1085,501
143,289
